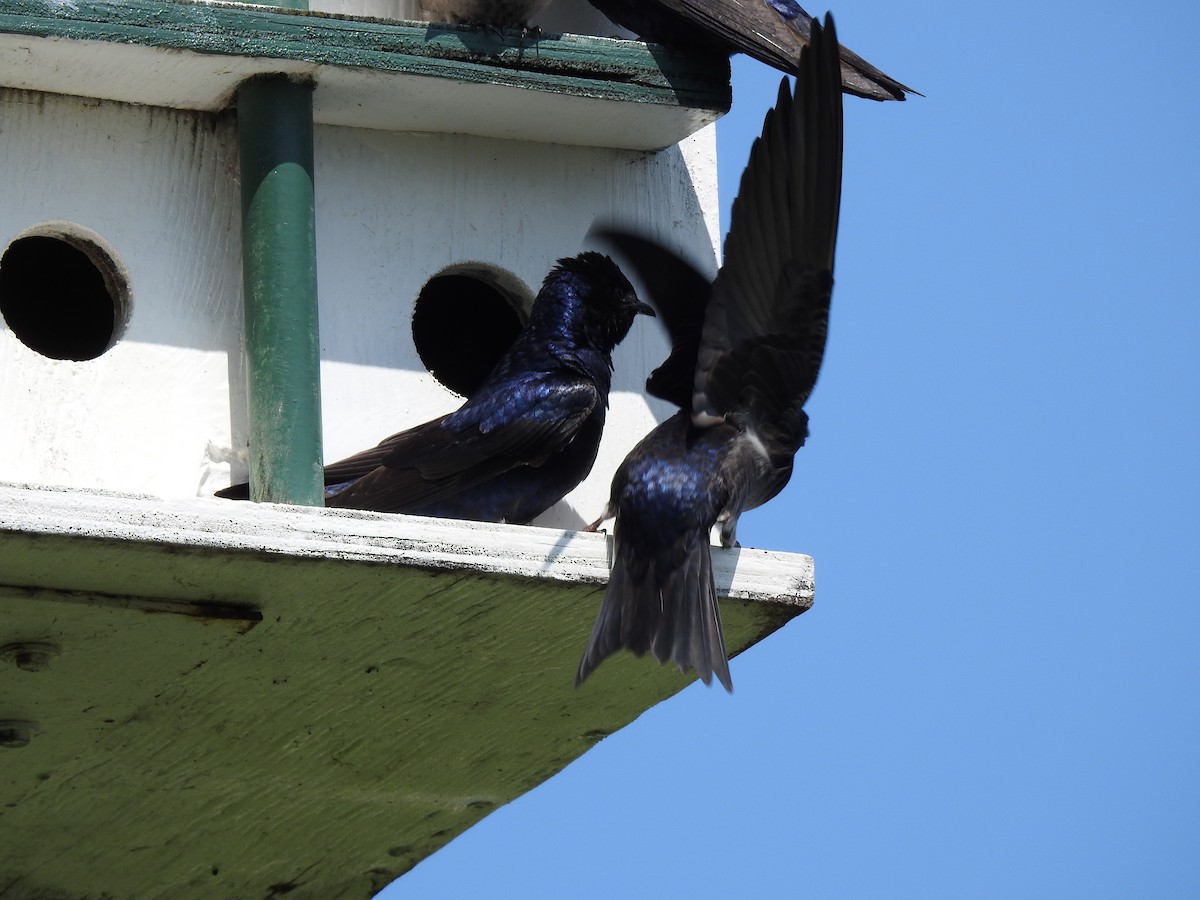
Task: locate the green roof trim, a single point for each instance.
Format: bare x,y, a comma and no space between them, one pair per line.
593,67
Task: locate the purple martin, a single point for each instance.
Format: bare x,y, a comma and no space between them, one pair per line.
492,13
746,350
528,435
771,31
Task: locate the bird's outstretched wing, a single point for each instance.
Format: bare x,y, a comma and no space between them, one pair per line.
516,423
757,359
765,327
679,293
752,342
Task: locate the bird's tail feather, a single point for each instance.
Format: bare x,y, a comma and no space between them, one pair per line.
234,492
666,606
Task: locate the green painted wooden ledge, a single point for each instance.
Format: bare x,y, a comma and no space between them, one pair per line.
369,72
243,700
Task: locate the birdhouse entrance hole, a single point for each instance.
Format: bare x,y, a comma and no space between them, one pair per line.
463,321
63,295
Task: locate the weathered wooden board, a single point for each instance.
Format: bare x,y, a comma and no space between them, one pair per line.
250,700
398,76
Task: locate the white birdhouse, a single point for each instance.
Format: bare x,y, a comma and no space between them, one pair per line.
440,205
322,697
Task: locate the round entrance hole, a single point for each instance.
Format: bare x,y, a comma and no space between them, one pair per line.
463,322
63,295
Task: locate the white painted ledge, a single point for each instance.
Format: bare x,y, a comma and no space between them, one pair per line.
353,535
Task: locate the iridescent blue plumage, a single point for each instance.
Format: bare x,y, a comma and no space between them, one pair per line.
746,350
529,434
771,31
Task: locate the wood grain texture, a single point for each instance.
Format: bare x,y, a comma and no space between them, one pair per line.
164,411
366,705
159,189
369,73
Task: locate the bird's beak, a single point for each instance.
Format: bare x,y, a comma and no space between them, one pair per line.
645,309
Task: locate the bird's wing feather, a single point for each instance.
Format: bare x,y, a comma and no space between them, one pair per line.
754,27
521,422
764,331
679,293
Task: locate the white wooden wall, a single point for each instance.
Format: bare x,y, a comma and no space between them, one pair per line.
163,412
161,189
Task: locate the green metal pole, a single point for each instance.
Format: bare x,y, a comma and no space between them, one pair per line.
279,272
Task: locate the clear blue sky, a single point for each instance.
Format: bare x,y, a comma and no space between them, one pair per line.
997,693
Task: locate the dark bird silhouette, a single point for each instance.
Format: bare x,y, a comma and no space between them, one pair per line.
492,13
528,435
745,355
771,31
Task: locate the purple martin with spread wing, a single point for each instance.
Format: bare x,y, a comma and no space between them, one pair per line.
745,355
771,31
528,435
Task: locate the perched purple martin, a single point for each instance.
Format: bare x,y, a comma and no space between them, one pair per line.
530,432
771,31
745,355
493,13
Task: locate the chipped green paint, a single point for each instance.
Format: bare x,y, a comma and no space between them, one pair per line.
374,713
279,268
282,4
568,64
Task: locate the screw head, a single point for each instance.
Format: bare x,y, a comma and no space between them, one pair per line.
16,733
32,656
